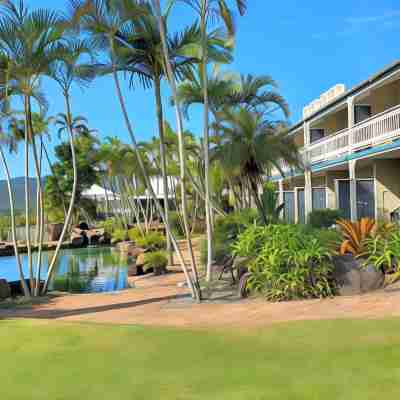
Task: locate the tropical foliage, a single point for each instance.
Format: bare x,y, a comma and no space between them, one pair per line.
288,262
133,43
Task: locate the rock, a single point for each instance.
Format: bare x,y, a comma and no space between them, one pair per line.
83,226
353,278
135,270
78,240
54,231
140,260
94,236
125,247
240,265
5,290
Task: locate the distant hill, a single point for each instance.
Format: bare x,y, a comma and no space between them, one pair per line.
19,193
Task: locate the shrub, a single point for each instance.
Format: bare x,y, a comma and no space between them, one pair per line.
176,223
288,262
135,234
324,218
355,235
110,225
152,241
226,231
119,235
156,260
384,254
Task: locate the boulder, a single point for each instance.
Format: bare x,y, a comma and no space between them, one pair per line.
78,240
240,265
5,290
83,226
135,270
140,260
352,277
54,231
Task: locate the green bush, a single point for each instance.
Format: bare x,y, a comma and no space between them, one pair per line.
324,218
135,234
288,262
119,235
110,225
152,241
226,231
156,260
176,224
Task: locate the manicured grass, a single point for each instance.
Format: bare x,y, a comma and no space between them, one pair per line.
306,360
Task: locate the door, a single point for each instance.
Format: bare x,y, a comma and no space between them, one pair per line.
288,213
318,198
344,198
301,204
365,199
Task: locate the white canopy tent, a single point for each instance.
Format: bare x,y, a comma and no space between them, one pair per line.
96,192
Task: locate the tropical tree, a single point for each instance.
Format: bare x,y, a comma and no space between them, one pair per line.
145,61
104,20
8,141
209,12
29,40
250,146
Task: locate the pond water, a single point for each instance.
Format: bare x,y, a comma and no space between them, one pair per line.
78,270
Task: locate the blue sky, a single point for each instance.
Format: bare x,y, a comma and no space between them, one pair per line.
307,47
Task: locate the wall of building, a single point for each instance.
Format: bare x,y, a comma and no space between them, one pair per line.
333,123
384,97
387,187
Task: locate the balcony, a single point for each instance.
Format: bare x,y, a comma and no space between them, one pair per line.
371,132
376,130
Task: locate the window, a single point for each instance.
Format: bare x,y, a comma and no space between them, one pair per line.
316,134
362,112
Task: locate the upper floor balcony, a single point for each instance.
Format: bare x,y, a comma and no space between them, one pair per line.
368,133
364,117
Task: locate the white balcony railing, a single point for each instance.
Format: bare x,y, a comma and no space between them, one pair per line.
371,132
377,129
329,147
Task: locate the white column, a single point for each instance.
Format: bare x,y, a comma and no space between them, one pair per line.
307,137
281,199
308,193
353,190
351,119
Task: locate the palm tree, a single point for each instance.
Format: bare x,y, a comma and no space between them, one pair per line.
29,39
145,59
209,11
103,20
182,152
6,140
251,145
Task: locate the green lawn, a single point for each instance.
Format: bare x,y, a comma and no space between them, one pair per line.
307,360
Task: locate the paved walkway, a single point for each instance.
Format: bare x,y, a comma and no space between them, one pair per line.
158,301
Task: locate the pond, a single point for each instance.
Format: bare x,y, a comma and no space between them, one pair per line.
78,270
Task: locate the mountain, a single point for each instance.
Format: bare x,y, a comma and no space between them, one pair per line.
19,194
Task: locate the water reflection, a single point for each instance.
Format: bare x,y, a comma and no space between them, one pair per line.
78,270
91,270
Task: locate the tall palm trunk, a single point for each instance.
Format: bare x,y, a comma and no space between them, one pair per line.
146,177
53,173
73,196
160,117
182,157
24,286
40,208
204,61
27,197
